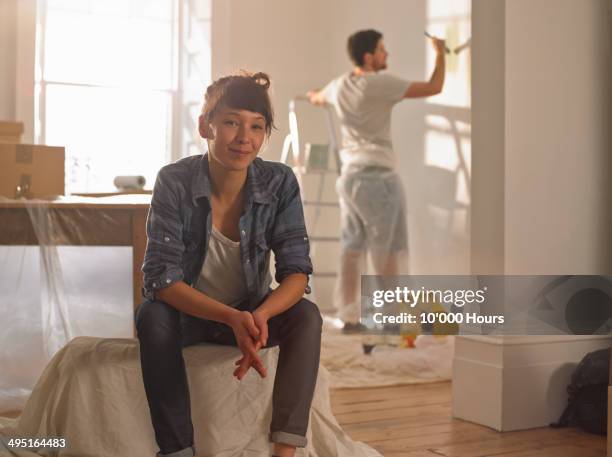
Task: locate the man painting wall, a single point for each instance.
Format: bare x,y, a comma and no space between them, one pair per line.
372,201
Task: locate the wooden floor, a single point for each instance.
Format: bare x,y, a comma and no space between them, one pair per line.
415,421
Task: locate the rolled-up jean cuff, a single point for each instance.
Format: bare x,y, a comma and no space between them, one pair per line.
187,452
288,438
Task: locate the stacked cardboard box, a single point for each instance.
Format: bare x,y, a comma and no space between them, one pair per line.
10,132
31,171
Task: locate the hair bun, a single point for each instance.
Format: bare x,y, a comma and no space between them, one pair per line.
261,79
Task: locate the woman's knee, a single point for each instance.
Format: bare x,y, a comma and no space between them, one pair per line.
308,314
157,321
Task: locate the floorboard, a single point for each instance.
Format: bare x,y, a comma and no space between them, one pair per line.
415,421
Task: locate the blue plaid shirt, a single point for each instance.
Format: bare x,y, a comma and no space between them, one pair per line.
180,221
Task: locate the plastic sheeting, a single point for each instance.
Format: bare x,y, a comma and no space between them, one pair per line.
56,290
92,395
349,367
431,358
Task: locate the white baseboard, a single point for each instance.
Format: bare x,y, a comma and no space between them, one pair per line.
514,383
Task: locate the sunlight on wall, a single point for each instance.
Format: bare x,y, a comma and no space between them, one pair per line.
447,142
452,20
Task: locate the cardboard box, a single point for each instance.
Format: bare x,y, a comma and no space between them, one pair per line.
31,171
10,132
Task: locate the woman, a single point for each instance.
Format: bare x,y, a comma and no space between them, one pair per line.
214,219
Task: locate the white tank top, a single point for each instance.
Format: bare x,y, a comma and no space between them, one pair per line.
222,276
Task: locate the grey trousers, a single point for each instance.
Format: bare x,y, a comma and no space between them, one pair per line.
163,332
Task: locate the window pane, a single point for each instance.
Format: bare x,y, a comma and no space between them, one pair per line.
108,49
108,132
111,7
75,5
152,9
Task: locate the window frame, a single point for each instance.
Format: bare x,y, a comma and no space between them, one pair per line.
180,28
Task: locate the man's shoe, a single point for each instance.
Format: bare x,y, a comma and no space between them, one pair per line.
353,328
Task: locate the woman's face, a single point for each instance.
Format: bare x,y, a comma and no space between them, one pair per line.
235,137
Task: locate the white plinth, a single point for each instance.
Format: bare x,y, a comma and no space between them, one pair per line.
516,382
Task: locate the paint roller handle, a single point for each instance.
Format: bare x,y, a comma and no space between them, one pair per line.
438,43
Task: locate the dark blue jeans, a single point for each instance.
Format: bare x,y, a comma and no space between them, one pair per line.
163,332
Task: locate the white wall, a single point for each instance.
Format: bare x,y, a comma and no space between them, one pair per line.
557,144
541,140
488,136
289,40
17,54
8,20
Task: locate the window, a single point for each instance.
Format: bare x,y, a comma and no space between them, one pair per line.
111,84
446,175
448,123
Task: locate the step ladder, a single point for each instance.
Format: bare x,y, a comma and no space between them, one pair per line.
314,160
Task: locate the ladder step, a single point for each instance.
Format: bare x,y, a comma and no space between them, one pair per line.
313,171
312,203
325,238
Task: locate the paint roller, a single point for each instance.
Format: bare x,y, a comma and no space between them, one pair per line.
124,183
448,51
458,49
465,45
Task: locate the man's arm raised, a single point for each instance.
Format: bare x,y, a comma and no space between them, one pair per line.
436,82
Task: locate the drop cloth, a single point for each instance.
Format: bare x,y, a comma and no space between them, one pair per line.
91,393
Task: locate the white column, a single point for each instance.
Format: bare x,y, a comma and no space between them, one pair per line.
540,158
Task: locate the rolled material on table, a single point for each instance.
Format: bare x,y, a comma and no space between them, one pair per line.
129,182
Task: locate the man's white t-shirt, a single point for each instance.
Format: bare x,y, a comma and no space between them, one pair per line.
363,104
